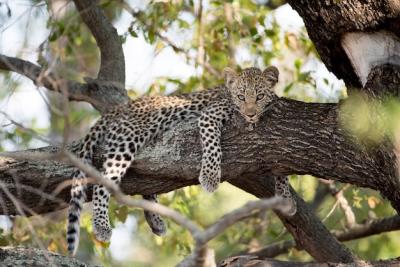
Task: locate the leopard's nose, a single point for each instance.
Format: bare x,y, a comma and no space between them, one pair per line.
251,115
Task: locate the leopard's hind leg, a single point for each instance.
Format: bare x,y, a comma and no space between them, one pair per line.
114,168
154,220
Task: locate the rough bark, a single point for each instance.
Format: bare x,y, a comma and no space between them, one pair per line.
32,257
327,22
383,81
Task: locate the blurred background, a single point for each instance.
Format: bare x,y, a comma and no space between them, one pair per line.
176,45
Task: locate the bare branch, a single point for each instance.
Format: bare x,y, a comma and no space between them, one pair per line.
76,91
373,227
348,211
101,94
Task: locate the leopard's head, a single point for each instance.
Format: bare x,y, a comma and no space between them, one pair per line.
252,90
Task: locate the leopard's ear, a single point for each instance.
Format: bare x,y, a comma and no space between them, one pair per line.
272,74
229,77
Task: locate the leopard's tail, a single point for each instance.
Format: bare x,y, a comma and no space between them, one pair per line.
78,197
78,191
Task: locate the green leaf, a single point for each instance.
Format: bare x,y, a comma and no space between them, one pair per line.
133,33
151,36
298,63
288,88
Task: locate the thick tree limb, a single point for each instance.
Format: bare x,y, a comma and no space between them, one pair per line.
293,137
112,66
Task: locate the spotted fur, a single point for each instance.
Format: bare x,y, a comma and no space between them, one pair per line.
127,128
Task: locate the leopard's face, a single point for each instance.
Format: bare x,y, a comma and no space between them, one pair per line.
252,90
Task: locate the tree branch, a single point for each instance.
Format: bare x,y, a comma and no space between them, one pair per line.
373,227
112,67
101,94
41,77
305,226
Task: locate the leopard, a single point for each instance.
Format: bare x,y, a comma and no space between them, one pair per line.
126,129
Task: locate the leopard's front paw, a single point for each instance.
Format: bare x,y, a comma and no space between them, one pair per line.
210,179
102,233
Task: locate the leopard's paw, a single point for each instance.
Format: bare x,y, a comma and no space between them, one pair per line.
156,223
210,179
102,233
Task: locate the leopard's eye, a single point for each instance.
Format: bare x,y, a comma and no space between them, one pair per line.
241,97
260,96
